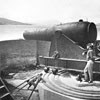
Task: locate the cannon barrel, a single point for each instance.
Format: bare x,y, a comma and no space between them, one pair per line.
80,32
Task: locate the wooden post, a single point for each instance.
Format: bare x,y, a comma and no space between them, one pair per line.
37,53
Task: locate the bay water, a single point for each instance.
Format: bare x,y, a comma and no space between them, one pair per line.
13,32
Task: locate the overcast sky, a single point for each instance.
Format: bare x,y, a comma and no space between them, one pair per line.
50,10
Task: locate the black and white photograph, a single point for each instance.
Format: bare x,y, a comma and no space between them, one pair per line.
49,49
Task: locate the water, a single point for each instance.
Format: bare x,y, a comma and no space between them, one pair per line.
13,32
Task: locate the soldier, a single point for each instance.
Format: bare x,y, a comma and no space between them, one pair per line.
88,70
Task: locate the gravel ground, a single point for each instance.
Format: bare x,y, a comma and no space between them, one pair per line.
17,79
24,93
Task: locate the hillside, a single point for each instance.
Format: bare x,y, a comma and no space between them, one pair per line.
4,21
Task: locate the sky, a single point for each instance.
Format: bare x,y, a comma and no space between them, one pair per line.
38,11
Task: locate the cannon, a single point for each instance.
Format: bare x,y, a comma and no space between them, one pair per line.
81,32
69,40
67,43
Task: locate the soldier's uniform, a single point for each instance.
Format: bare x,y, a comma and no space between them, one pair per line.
88,70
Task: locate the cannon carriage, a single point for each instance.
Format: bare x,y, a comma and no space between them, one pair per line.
67,43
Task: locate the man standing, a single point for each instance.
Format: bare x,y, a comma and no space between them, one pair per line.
88,70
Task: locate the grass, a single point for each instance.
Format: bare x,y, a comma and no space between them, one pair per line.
17,56
20,55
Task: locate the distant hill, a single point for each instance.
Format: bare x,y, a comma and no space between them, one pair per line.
4,21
